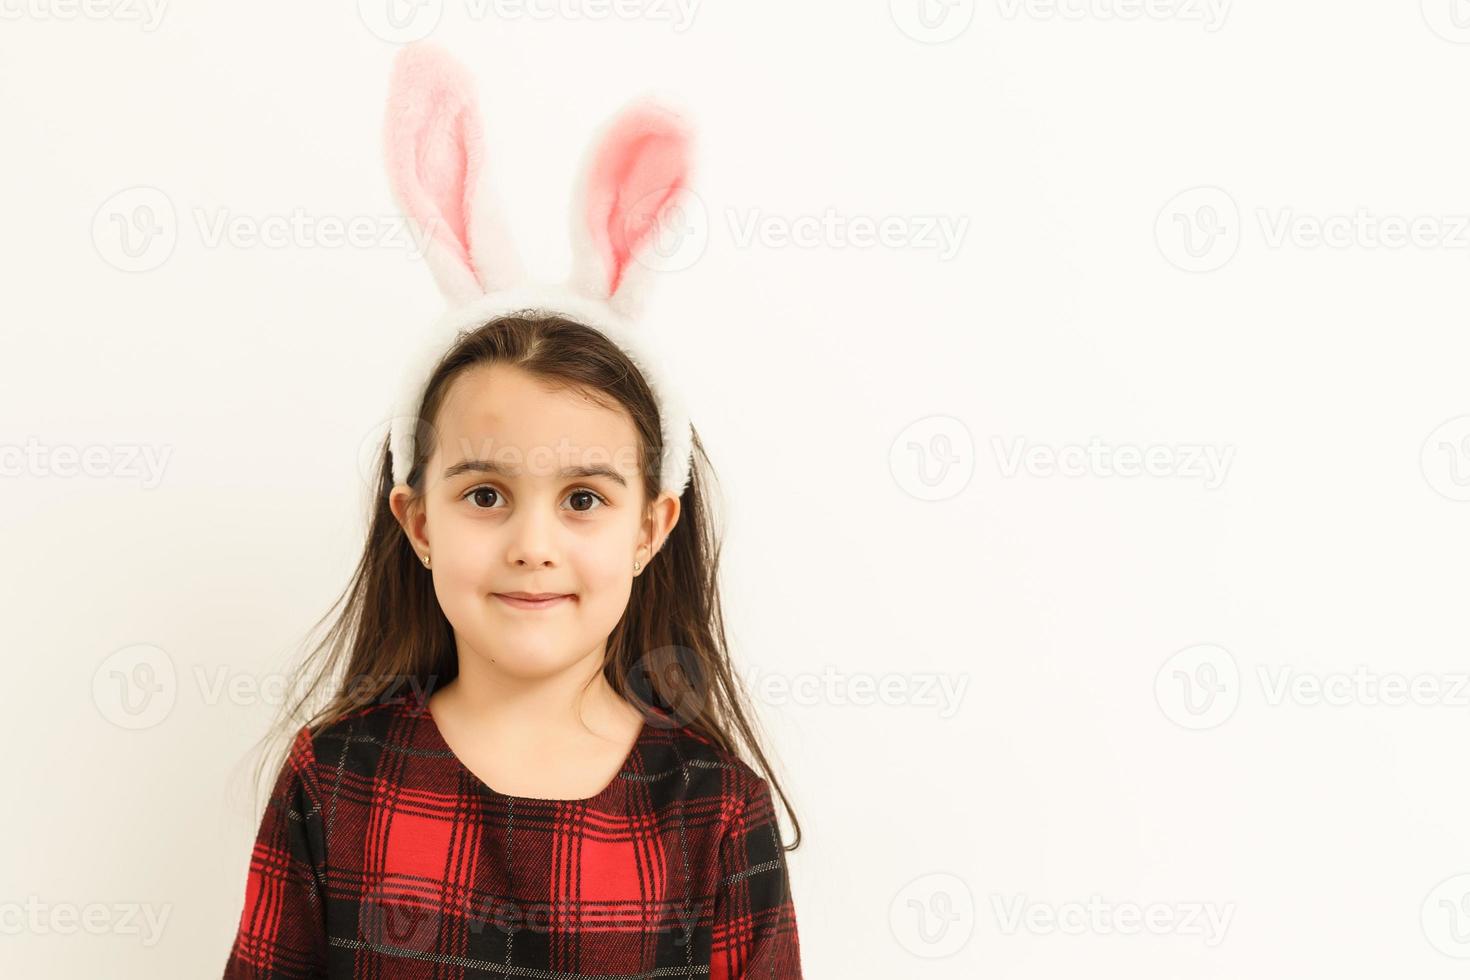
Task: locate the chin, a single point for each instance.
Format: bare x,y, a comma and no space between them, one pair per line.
533,657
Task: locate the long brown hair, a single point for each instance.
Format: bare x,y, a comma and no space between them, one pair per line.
669,650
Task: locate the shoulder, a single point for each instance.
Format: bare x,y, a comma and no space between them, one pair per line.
374,719
707,769
319,747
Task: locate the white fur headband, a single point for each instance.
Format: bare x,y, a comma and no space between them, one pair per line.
632,177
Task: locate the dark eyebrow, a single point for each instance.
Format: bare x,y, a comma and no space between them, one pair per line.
570,472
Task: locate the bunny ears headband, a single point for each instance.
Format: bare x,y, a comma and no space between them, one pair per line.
632,178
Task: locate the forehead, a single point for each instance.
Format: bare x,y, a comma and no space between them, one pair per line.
499,408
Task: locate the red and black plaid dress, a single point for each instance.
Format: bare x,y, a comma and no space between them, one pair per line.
380,855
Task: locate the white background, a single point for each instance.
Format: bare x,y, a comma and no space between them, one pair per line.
1176,228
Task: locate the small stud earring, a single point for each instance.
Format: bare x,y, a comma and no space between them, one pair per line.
636,565
426,561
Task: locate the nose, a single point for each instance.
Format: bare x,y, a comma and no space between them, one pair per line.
532,541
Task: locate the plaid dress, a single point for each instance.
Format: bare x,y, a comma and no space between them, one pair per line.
380,855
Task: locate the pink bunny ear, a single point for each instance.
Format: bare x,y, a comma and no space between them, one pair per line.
632,180
435,151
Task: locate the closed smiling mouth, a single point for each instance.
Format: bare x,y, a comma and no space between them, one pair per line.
533,600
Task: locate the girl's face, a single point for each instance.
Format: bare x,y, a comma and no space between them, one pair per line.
532,490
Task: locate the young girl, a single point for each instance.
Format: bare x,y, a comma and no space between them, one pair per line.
526,765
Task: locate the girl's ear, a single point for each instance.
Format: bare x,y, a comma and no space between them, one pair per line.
435,149
633,176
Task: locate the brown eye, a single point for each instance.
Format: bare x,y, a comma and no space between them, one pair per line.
586,496
478,497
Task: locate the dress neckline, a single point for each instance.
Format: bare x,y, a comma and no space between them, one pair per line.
426,718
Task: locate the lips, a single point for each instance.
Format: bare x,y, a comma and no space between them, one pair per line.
533,600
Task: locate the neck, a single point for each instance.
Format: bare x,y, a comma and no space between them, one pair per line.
574,701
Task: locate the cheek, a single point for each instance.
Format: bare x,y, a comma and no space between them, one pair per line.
606,583
464,549
601,562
